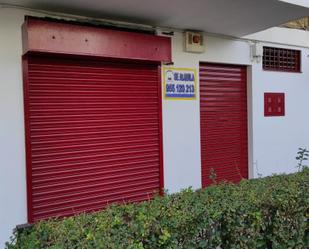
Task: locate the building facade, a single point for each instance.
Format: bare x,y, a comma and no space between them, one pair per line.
87,124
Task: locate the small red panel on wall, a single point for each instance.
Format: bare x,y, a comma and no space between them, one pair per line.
274,104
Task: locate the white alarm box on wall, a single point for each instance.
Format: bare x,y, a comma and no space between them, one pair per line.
194,42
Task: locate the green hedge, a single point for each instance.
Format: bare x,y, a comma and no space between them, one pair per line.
266,213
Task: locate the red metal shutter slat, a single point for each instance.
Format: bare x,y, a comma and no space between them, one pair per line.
223,108
94,131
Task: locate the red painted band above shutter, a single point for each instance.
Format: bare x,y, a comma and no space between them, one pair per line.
70,39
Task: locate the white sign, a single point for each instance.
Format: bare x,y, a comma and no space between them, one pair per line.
179,83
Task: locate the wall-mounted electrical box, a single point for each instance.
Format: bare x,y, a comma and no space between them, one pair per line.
194,42
274,104
256,52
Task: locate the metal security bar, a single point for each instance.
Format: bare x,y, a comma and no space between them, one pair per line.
280,59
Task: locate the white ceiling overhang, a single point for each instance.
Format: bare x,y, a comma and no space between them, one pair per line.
228,17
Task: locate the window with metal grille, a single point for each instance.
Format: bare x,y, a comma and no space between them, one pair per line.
281,59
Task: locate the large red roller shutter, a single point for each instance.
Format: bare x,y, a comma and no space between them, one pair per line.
223,107
94,134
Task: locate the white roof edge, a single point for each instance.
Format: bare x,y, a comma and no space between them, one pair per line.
282,36
303,3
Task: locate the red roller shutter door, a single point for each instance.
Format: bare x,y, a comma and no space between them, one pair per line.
94,134
224,140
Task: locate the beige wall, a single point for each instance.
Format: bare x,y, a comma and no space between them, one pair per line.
298,24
